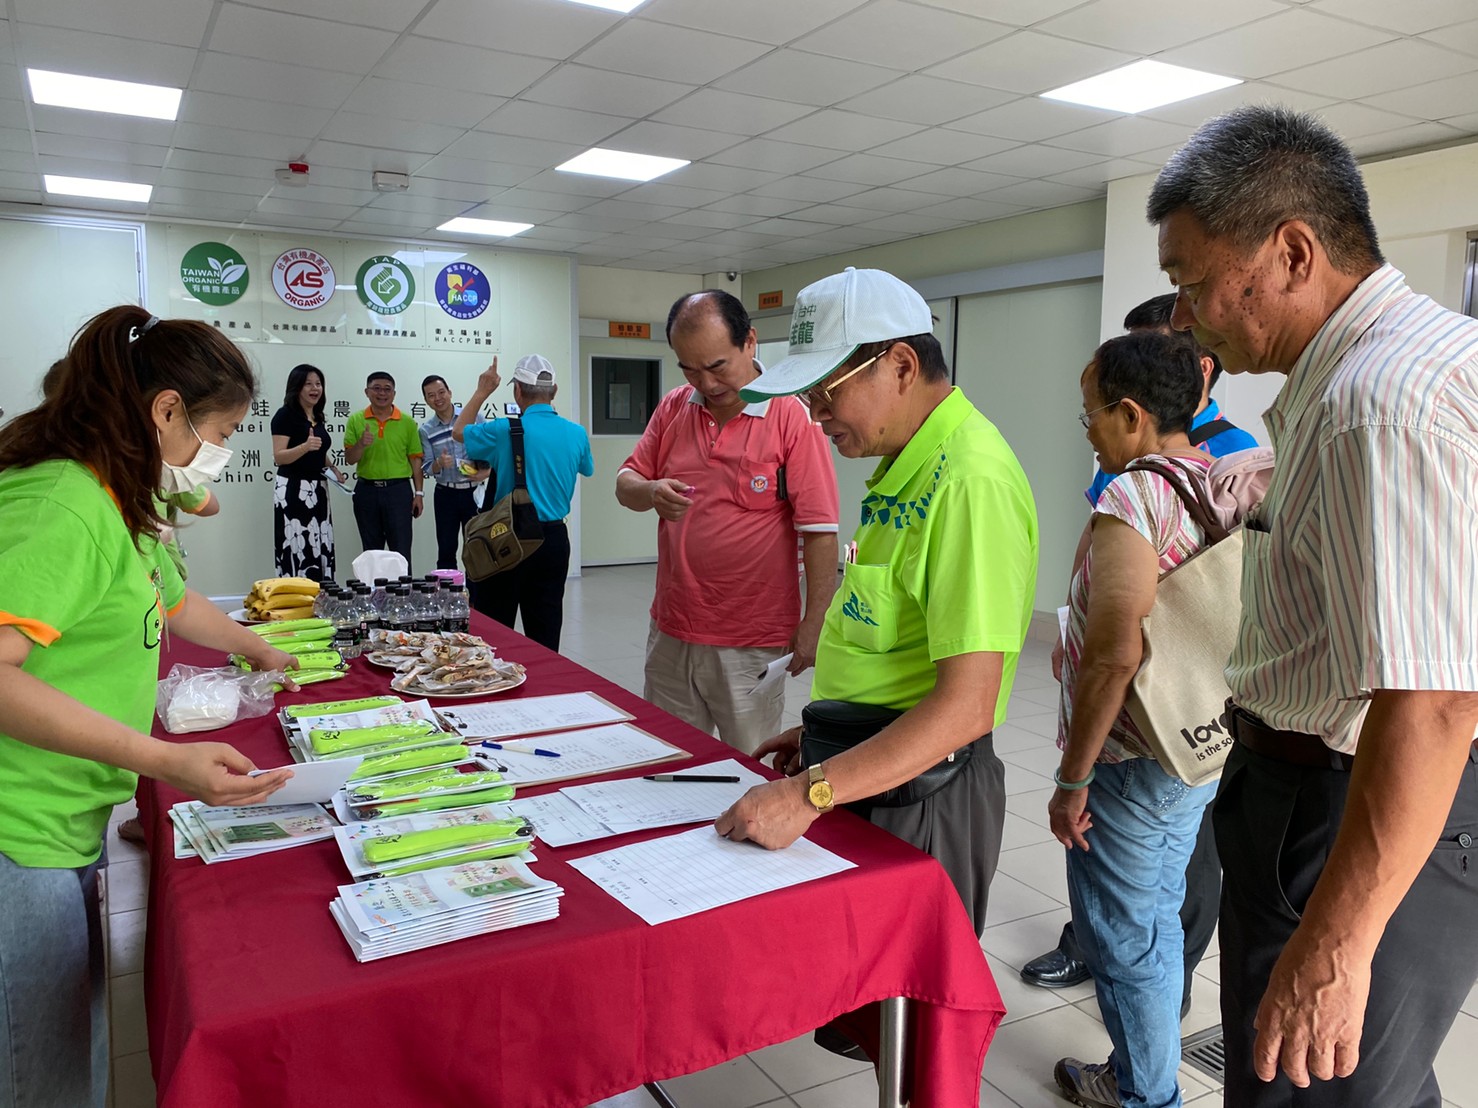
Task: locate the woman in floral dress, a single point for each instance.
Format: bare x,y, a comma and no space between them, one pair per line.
303,529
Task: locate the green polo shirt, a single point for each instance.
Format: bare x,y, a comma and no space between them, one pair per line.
946,565
397,441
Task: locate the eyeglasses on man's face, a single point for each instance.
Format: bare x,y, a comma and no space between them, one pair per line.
1086,418
823,396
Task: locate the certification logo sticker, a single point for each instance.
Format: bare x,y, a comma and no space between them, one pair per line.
303,279
462,290
386,285
759,483
214,273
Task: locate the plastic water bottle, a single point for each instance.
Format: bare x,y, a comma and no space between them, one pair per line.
340,610
380,597
364,612
456,611
400,613
428,612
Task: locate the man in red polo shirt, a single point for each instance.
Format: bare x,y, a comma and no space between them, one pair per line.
732,484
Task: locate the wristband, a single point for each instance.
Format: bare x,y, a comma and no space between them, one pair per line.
1074,786
419,493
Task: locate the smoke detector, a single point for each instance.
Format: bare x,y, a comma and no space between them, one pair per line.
386,181
295,175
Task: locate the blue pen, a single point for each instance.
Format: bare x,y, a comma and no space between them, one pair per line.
515,750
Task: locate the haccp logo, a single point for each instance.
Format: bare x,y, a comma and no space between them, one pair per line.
304,279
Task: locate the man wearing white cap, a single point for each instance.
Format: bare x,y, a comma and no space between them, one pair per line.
732,484
556,451
928,622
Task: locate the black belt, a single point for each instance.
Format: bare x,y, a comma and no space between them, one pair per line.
462,487
1294,747
383,484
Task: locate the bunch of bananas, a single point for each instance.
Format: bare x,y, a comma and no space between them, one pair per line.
277,598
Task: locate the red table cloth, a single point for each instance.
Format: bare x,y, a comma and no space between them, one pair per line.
254,998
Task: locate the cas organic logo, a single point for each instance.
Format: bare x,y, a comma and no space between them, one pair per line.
214,273
303,279
386,285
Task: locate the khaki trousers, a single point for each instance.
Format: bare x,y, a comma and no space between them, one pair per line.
708,686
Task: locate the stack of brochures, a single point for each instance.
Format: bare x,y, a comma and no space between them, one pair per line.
221,834
399,845
393,915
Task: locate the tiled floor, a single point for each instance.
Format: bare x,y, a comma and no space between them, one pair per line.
605,630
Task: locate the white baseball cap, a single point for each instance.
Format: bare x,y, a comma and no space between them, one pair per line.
835,316
534,369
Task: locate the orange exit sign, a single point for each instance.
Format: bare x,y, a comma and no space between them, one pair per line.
774,299
619,330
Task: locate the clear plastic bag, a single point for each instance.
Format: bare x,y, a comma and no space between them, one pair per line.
196,699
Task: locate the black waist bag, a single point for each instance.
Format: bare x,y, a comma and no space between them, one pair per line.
829,727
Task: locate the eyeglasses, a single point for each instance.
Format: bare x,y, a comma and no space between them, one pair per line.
380,388
1086,418
824,395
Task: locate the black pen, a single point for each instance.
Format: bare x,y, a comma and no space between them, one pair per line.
711,779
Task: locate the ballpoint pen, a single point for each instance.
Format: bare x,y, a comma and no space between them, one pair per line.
716,779
514,750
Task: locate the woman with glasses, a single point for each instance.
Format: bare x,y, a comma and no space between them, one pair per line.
303,527
1127,824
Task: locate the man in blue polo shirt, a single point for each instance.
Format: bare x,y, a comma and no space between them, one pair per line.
556,451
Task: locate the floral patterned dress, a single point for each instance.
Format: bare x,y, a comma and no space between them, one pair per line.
303,528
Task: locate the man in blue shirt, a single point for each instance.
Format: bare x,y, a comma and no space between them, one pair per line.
1063,967
445,461
556,451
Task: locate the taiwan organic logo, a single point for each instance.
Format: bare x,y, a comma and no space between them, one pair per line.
386,285
303,279
462,290
214,273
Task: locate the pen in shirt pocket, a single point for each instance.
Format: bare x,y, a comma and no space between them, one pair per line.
850,555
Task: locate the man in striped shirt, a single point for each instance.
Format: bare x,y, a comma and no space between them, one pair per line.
1349,928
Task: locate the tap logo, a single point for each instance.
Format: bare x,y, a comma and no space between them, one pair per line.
385,285
303,279
214,273
462,290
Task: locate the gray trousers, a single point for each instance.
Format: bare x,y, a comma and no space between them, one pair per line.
1275,825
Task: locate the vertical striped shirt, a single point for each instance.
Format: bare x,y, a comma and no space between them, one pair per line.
1360,568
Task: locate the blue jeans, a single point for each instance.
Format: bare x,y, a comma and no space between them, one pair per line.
53,999
1126,894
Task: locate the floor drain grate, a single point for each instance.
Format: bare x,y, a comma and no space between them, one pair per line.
1207,1052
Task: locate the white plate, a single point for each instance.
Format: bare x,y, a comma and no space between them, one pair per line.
383,661
240,616
461,695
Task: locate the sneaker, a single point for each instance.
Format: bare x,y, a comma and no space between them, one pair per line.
1092,1085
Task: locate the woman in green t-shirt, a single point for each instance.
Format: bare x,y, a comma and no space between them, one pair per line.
140,407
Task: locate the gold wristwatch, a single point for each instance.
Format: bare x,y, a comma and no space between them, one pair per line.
819,793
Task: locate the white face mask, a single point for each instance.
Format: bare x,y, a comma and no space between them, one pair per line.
202,469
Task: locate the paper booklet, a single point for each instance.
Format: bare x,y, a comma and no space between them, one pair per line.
221,834
531,715
352,837
584,753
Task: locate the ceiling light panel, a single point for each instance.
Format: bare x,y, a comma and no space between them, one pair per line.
1140,86
622,6
493,228
620,164
99,190
98,94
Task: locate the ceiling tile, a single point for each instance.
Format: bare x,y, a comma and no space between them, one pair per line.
772,21
1198,109
631,209
707,217
411,202
909,36
65,121
96,55
913,223
958,182
782,157
293,222
811,189
216,110
731,111
943,147
394,134
212,182
670,53
858,236
534,27
743,239
919,99
382,228
1287,41
151,20
1030,62
1043,194
1410,17
1407,138
869,169
1034,160
13,115
563,235
789,226
1145,27
839,130
527,120
840,215
604,224
1437,100
225,140
421,103
1032,119
78,146
1091,176
297,39
276,204
972,209
512,149
750,204
726,178
685,231
452,65
73,166
263,80
807,78
348,155
678,196
575,184
1018,13
892,200
1463,36
194,210
668,141
474,171
1384,68
559,202
579,86
1121,137
1353,121
388,15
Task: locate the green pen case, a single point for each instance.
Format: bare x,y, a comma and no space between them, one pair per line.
423,757
397,848
421,784
340,707
329,741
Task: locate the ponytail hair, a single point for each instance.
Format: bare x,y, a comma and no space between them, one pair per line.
97,411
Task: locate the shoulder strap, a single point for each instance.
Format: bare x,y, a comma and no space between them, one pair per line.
1203,434
515,434
1194,497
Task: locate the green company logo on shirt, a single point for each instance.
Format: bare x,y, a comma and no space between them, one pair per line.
385,285
214,273
858,610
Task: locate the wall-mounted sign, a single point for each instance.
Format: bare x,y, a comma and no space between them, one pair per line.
303,279
462,290
214,273
774,299
619,330
386,285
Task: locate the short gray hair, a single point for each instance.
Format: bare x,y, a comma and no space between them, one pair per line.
1245,172
537,394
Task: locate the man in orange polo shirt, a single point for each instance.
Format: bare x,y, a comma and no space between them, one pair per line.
384,446
732,484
